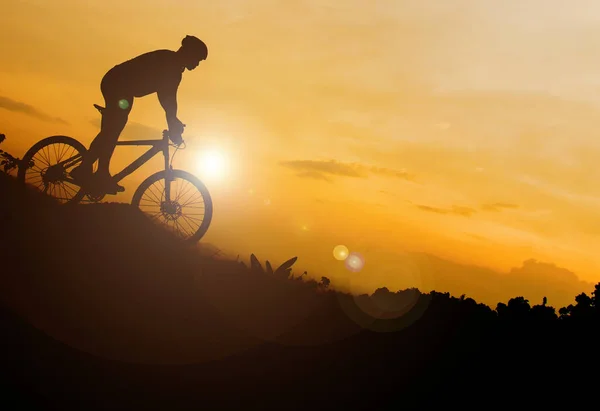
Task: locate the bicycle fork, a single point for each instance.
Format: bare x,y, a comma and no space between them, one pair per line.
168,179
168,175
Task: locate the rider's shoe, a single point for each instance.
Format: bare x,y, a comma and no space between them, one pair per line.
108,184
102,182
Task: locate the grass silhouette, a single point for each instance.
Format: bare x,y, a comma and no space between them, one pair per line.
8,162
101,308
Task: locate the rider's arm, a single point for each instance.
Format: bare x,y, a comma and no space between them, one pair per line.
168,101
167,96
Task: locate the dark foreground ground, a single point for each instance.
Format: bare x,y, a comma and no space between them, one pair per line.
102,310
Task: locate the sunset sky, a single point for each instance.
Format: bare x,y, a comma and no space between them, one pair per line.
464,129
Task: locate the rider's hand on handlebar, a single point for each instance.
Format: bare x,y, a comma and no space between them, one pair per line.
176,127
175,131
176,138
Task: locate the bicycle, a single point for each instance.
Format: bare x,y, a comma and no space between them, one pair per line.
50,174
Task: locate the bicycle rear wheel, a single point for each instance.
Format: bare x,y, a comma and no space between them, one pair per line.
188,211
52,159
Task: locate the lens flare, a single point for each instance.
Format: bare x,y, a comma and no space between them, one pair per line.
340,252
124,104
355,262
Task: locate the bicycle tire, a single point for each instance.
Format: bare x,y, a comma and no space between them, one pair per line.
40,145
195,181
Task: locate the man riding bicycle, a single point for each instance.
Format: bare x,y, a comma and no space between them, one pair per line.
157,72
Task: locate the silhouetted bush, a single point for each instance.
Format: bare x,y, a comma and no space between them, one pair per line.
7,161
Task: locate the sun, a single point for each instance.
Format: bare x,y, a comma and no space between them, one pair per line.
212,164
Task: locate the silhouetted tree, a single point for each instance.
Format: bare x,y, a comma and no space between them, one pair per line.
582,310
517,310
596,299
543,312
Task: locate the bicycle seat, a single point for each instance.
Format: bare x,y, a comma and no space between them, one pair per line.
99,108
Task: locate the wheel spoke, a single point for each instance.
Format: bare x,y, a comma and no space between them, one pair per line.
48,173
185,213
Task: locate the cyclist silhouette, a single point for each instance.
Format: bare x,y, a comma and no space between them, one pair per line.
159,72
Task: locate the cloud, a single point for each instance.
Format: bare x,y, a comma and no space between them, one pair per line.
388,172
533,280
432,209
319,168
135,131
463,211
498,206
541,279
314,175
327,167
477,237
19,107
546,272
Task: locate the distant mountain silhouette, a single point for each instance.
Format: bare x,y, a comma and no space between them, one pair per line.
101,310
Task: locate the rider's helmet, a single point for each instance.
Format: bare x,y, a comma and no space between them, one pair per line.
195,46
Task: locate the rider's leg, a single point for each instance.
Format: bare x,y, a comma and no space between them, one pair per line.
114,120
98,143
114,117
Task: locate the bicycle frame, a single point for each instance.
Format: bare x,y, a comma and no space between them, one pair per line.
156,146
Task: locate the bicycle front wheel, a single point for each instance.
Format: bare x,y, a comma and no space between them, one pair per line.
187,211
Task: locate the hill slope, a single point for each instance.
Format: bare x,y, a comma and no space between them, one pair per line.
101,308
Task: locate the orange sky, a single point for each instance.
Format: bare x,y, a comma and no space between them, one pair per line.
465,130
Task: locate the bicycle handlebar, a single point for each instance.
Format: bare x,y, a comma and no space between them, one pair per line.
166,131
168,136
